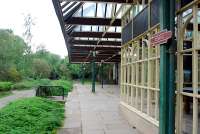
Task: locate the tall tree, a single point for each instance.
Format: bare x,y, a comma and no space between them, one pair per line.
28,25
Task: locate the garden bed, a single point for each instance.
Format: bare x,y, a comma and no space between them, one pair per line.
31,116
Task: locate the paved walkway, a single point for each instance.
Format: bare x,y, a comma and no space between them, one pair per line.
88,113
16,95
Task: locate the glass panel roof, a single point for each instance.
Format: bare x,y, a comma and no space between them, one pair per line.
93,10
96,39
89,9
100,10
88,28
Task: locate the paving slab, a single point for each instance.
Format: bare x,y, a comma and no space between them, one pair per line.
94,113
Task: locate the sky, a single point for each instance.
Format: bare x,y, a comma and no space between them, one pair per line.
47,29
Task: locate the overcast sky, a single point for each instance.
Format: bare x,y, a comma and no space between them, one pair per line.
47,29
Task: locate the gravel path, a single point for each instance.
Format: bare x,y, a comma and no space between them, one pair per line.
16,95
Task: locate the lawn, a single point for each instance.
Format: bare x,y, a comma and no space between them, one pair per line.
31,116
4,94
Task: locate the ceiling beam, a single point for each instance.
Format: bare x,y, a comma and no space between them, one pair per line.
96,60
104,1
92,21
77,48
99,57
95,34
93,42
86,52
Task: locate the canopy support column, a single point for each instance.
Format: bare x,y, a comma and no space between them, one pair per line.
82,74
101,74
167,62
93,71
171,66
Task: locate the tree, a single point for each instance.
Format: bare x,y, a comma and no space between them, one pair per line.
12,49
28,24
41,69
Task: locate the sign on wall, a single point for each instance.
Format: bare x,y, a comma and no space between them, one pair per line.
160,38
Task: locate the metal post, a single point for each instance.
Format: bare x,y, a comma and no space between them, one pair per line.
171,66
102,75
117,70
82,73
93,72
165,80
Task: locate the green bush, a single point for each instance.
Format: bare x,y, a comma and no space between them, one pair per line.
25,84
29,84
14,75
31,116
5,86
67,85
44,82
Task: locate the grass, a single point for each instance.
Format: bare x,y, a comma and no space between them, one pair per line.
5,86
4,94
31,116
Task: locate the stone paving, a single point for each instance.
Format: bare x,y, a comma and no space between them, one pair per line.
16,95
88,113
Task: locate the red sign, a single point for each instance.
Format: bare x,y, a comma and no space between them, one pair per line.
161,37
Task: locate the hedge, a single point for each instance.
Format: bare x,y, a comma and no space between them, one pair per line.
5,86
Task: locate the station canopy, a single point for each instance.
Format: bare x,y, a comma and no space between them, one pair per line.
91,27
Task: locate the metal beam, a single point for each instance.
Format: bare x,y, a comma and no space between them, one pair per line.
104,1
97,57
96,34
92,48
85,54
97,60
81,51
69,15
58,11
92,21
93,42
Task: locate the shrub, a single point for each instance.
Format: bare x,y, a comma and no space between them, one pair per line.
31,116
41,68
25,84
13,75
5,86
28,84
44,82
67,85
